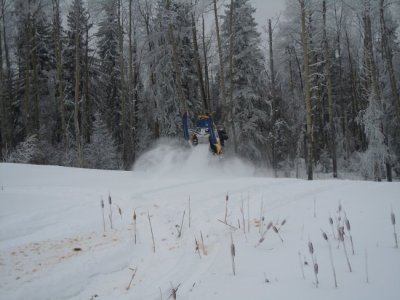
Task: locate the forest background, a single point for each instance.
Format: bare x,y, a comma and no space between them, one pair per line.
95,83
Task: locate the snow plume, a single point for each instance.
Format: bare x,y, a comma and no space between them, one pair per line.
173,159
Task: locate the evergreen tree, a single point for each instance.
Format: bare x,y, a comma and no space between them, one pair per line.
250,112
101,152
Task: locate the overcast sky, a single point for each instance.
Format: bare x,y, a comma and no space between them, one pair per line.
267,9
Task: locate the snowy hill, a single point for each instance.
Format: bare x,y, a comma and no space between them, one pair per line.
53,244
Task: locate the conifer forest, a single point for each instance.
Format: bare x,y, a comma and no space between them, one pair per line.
95,83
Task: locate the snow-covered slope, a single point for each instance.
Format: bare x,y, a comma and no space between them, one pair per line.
53,244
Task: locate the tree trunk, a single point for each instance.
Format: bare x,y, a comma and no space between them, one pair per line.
131,88
3,116
332,136
388,56
231,105
309,134
275,112
175,61
77,85
206,75
87,111
222,91
59,71
7,88
199,69
126,131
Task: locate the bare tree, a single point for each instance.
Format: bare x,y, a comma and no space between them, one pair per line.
309,134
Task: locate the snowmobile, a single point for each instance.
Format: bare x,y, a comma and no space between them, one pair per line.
204,132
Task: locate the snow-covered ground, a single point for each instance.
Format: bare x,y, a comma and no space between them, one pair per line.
53,244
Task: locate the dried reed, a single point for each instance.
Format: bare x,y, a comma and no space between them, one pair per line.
314,261
133,276
181,227
341,239
134,224
152,234
110,215
325,236
226,207
347,222
233,253
393,219
102,209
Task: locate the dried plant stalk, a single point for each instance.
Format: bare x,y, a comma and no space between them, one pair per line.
197,246
102,209
277,232
134,224
233,253
243,220
226,207
316,274
331,223
341,239
152,234
347,222
180,229
190,214
110,215
325,236
314,261
248,214
133,276
366,266
393,219
301,265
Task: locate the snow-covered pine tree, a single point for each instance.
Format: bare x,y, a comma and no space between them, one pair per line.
374,158
101,152
247,100
35,59
109,75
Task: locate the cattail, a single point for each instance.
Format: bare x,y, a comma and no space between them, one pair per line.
269,225
197,246
226,207
325,236
393,219
311,248
102,209
283,222
233,253
333,231
316,274
341,239
120,211
277,232
314,261
174,291
134,224
110,215
347,222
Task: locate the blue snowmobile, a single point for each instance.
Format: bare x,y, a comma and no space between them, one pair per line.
204,132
